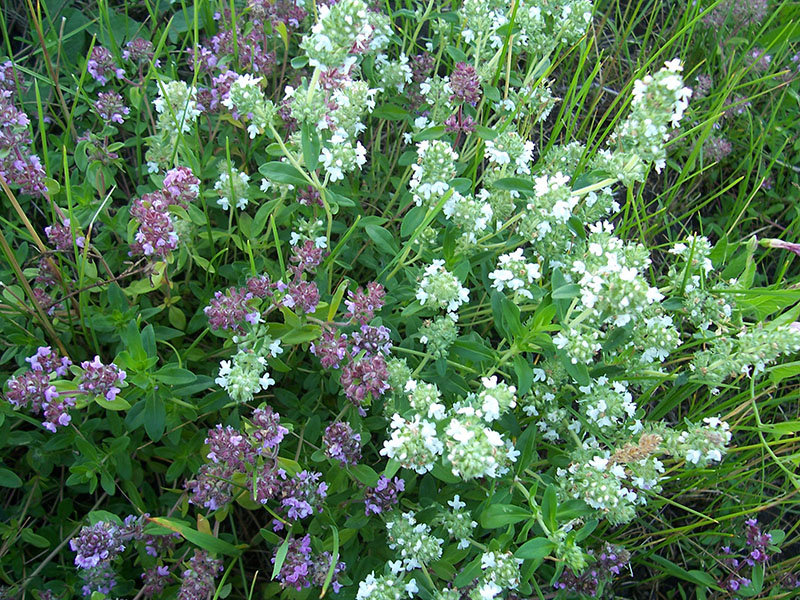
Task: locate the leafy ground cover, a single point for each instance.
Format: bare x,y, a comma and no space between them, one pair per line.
428,300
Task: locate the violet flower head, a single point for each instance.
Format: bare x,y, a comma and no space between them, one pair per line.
101,65
95,544
342,443
56,413
758,543
139,51
154,580
260,286
8,77
111,107
31,390
303,296
180,187
198,579
330,348
60,236
101,578
421,66
156,235
101,380
362,305
309,196
303,495
383,497
308,257
465,84
322,564
211,488
49,361
230,309
371,340
229,446
269,482
297,566
268,432
363,378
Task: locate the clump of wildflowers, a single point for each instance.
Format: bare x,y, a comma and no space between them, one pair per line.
110,106
60,235
156,235
413,541
96,544
100,379
342,443
596,577
386,587
247,99
439,288
199,576
383,497
365,379
458,522
35,391
232,188
414,444
515,274
439,334
101,65
433,171
700,445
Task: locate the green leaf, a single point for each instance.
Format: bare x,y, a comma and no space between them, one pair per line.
282,173
431,133
549,506
118,403
390,112
155,417
311,147
306,333
9,479
198,538
34,539
535,549
364,474
412,219
524,372
383,239
499,515
569,291
172,374
334,561
280,556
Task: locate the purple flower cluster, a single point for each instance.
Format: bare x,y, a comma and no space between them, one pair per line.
268,432
330,348
465,84
156,235
268,484
301,295
757,551
309,196
279,11
383,497
100,579
180,187
297,565
342,443
248,41
307,258
198,579
300,570
303,495
101,65
371,340
260,286
111,107
229,446
154,580
34,390
101,380
60,236
230,309
95,544
212,486
18,165
139,51
365,378
459,122
362,305
609,563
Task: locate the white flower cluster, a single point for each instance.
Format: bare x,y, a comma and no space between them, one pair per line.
607,405
244,376
340,156
659,100
499,572
426,399
470,214
413,443
433,171
439,288
386,587
232,188
413,541
247,98
515,274
176,107
599,483
701,444
509,148
457,522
